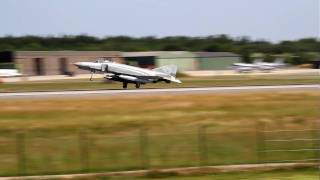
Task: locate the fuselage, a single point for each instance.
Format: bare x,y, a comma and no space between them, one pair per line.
115,68
130,74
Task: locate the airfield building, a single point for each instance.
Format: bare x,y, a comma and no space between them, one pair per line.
152,59
6,60
316,63
37,63
186,61
216,60
145,59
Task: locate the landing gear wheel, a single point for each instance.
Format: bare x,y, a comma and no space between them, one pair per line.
125,85
137,85
92,72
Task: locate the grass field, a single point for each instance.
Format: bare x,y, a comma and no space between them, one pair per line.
187,82
122,133
305,174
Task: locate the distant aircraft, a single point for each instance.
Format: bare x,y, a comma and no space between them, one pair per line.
130,74
258,65
277,64
244,67
9,73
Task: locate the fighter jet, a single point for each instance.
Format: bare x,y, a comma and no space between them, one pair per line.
130,74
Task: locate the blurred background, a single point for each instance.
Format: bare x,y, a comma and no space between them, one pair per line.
270,134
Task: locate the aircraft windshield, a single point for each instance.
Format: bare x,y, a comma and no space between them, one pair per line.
101,60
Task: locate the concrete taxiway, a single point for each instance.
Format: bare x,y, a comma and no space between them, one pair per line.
84,93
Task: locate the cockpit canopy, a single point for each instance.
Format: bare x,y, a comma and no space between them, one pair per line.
101,60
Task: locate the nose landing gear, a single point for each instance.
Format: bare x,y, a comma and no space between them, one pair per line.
92,72
138,85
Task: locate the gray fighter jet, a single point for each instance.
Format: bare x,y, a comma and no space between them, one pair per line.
130,74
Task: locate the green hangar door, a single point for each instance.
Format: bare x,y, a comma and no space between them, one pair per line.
142,61
216,60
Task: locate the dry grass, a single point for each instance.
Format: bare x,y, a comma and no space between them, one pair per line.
162,112
112,123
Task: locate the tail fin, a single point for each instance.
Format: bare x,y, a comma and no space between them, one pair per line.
257,61
168,69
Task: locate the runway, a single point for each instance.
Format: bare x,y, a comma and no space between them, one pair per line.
84,93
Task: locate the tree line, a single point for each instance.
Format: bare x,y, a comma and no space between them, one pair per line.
295,51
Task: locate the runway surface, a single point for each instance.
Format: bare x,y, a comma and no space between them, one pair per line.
85,93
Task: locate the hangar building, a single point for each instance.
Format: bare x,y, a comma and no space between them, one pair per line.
316,63
145,59
216,60
151,59
7,60
34,63
186,61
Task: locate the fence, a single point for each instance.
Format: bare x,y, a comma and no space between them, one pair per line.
288,145
28,153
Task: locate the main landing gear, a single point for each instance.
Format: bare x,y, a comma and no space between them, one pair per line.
125,85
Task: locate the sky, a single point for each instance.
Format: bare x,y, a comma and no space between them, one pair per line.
273,20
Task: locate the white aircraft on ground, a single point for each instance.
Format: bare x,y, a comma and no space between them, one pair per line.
258,65
9,73
277,64
130,74
244,67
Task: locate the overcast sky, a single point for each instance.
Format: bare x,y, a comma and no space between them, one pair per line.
259,19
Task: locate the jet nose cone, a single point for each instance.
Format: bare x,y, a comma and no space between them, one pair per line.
77,64
84,65
81,64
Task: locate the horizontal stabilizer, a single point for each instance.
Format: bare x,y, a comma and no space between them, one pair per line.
175,80
172,79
